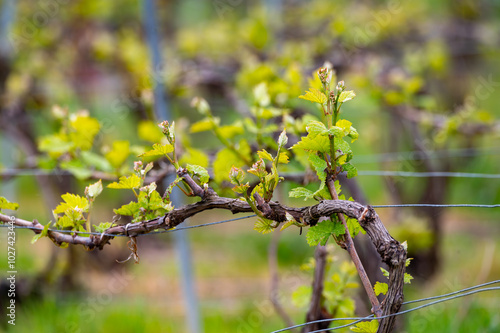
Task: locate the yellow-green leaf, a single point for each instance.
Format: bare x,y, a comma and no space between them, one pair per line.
130,182
283,159
366,327
118,154
201,172
129,209
346,96
301,192
380,288
314,95
42,234
158,150
72,201
103,226
194,156
202,125
263,154
230,131
345,125
148,130
56,144
319,143
85,129
94,190
6,204
263,226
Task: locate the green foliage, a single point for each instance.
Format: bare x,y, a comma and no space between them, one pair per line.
199,171
131,182
366,326
118,154
42,234
320,233
148,130
92,191
158,151
314,95
224,161
339,286
380,288
6,204
77,133
103,226
194,156
263,226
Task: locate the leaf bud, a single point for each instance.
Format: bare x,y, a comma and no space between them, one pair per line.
340,86
137,166
283,139
324,75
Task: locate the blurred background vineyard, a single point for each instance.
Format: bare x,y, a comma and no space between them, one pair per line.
427,79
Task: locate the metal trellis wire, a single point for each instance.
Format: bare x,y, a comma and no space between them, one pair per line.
355,320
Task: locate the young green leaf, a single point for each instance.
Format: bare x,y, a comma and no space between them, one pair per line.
261,95
194,156
44,233
408,278
206,124
158,150
236,175
315,127
380,288
84,130
130,209
130,182
149,131
366,327
301,192
283,159
55,144
319,143
72,202
201,172
201,105
301,297
224,160
263,226
346,96
258,169
283,139
93,190
118,154
103,226
320,233
319,165
6,204
77,168
98,161
314,95
350,169
354,227
230,131
353,134
263,154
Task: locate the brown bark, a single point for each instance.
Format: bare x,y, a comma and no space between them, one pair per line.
390,250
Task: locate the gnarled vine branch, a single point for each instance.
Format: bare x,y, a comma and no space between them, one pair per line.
390,250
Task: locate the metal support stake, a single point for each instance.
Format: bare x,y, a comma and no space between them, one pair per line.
162,111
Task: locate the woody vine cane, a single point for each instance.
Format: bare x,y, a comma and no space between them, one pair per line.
327,152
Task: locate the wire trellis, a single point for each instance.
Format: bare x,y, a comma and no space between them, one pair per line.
246,217
355,320
44,172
